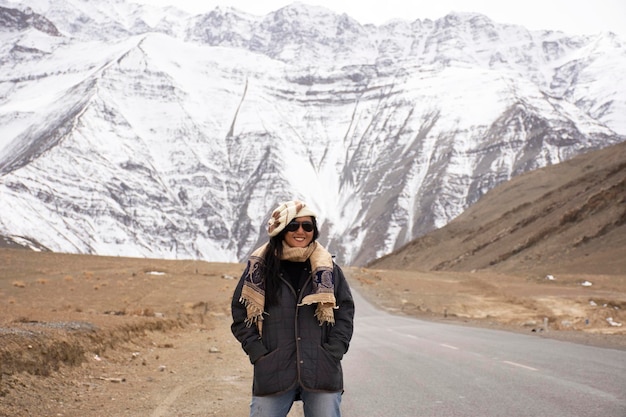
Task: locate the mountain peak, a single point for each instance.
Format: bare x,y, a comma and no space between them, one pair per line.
14,19
145,133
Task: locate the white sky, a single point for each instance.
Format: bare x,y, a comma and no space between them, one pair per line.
570,16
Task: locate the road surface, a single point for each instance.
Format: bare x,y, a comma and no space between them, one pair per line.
404,367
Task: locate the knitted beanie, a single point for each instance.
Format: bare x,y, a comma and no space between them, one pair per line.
285,213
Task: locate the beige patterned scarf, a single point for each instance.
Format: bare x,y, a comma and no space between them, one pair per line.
253,292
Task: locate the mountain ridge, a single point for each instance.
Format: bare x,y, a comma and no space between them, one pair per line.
179,148
565,218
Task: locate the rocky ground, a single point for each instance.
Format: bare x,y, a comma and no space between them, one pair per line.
100,336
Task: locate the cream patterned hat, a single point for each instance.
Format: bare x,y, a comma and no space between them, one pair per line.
285,213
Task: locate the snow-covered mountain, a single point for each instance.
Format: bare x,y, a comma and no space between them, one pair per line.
137,131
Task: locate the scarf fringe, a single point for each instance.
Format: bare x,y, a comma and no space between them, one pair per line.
324,313
254,314
325,305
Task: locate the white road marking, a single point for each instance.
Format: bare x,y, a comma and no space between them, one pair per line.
449,346
519,365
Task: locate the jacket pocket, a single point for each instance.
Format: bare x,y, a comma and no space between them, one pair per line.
273,373
328,371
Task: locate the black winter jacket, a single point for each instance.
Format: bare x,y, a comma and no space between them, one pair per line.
294,348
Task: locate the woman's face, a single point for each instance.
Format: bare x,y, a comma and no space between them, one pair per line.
299,238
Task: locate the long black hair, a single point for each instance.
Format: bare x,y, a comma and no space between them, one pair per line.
272,257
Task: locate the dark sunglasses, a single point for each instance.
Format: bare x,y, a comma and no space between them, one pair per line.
294,225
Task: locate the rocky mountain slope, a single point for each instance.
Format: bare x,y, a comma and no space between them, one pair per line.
567,218
137,131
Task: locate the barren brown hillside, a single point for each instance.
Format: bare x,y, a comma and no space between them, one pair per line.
566,218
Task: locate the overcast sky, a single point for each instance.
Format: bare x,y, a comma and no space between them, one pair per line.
570,16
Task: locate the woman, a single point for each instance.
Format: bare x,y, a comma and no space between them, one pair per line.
293,314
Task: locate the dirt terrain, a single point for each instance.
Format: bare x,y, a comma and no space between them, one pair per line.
99,336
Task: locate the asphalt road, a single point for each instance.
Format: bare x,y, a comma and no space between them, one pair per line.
404,367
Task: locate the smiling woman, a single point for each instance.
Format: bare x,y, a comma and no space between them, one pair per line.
300,234
293,314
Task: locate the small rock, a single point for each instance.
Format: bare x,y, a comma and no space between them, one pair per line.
115,380
613,323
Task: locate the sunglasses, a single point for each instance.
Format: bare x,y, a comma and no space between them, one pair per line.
294,226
